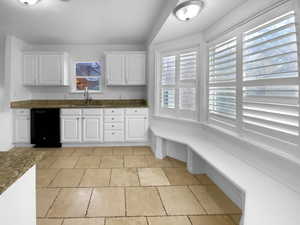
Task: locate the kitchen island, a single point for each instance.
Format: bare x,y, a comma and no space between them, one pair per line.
17,186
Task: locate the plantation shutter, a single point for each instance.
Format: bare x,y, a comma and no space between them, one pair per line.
168,98
271,79
188,65
187,98
187,79
168,81
222,82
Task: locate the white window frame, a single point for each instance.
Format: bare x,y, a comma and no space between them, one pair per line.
73,76
181,114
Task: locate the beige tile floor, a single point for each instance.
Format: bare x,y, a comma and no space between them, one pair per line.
126,186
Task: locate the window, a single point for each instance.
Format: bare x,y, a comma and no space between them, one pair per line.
178,83
270,74
222,82
257,93
88,74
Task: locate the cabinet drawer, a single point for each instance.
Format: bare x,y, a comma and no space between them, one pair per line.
137,111
113,136
22,112
113,119
71,112
113,126
113,112
92,112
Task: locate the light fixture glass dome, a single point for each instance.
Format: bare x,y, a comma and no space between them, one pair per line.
29,2
188,10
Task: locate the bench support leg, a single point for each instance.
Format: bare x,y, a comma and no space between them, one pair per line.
160,148
195,164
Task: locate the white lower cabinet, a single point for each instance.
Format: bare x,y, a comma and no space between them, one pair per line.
108,125
114,125
22,126
70,129
81,125
92,129
114,136
136,128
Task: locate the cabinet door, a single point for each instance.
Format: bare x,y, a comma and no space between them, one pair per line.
50,70
30,69
136,69
70,129
92,129
22,129
136,128
115,69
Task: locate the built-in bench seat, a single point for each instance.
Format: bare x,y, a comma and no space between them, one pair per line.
266,201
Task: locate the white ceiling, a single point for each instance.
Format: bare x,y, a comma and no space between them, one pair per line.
213,11
81,21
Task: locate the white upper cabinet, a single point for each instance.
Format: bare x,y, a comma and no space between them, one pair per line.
127,68
30,69
50,70
45,69
135,69
115,69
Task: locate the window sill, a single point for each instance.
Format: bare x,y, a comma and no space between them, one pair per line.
178,119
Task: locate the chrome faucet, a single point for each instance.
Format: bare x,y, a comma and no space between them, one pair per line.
86,95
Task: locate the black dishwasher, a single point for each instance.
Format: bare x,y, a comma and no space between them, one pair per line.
45,128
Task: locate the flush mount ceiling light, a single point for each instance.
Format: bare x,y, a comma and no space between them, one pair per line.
29,2
188,10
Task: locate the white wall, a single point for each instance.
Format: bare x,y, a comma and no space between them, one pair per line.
15,62
11,87
86,53
5,114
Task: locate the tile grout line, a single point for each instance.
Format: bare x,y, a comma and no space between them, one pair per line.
87,209
56,197
77,161
59,170
138,176
110,175
100,161
157,190
81,178
197,199
189,218
125,199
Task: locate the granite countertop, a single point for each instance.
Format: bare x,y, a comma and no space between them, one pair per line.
133,103
15,163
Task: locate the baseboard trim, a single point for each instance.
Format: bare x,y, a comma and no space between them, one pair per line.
105,144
